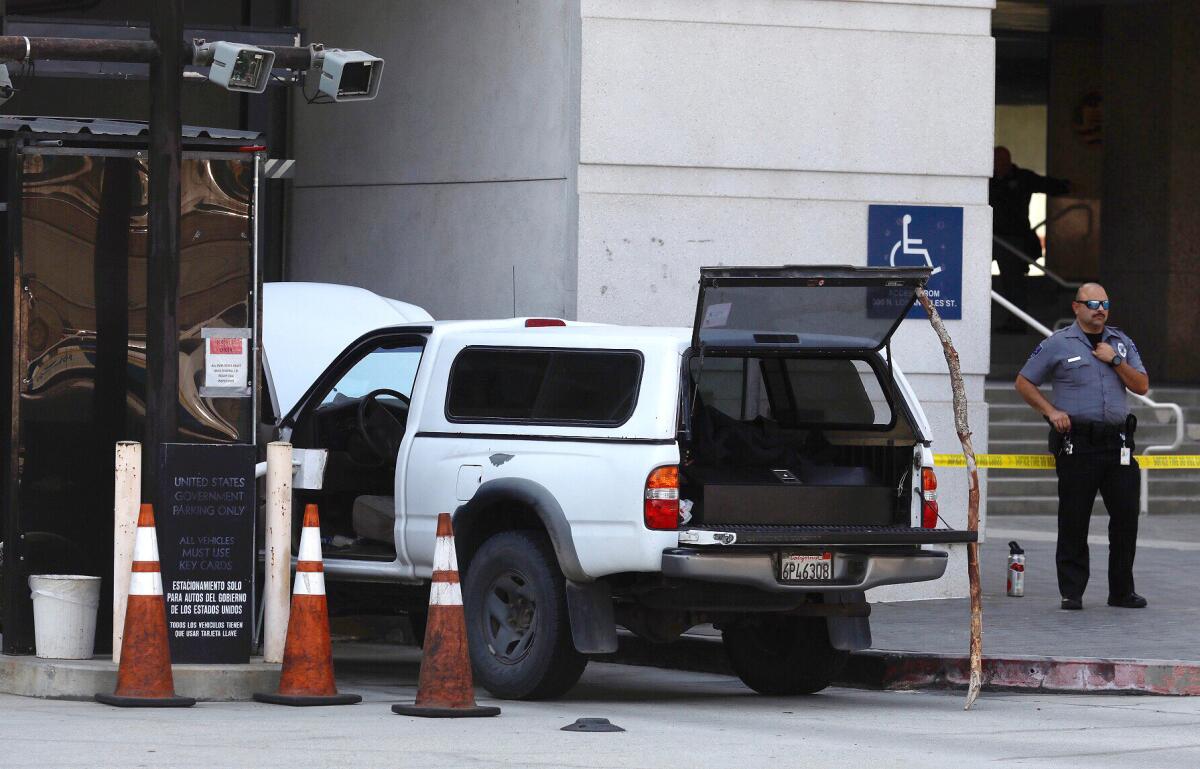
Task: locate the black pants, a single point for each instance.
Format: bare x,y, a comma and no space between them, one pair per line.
1080,476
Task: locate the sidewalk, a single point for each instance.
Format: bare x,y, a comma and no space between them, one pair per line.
1029,643
1165,572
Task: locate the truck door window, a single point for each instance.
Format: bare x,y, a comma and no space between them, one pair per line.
393,368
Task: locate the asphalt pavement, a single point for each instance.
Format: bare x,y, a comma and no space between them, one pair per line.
672,719
1164,571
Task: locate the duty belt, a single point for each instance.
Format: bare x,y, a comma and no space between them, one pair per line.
1093,436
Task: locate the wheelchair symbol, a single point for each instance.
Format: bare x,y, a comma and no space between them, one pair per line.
910,249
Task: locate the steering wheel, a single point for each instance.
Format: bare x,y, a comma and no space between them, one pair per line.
380,437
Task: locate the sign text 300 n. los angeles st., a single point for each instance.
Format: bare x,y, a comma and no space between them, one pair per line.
206,543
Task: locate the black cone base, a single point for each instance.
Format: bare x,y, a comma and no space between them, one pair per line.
145,702
429,711
307,701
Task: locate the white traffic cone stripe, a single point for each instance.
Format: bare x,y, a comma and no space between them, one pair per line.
145,583
445,594
145,545
444,557
310,583
310,544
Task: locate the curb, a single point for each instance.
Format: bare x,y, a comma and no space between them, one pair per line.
1076,675
30,676
900,670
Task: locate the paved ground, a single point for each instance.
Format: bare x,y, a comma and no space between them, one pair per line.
1168,552
673,719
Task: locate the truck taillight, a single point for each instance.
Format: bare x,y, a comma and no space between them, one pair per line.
929,505
662,499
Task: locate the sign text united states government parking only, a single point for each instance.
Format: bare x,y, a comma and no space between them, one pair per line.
921,236
205,516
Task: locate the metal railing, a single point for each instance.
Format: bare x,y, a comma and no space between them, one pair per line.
1051,274
1174,408
1044,223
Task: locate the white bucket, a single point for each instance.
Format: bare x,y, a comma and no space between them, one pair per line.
64,615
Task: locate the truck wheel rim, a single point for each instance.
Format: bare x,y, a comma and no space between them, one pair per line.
509,615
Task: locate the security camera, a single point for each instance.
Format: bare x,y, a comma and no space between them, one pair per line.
6,87
349,75
240,67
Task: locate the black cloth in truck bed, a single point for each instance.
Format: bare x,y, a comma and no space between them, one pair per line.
728,448
740,475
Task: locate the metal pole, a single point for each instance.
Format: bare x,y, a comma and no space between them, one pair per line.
278,552
162,268
19,48
126,502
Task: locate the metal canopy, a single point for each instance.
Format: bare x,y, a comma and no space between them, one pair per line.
59,126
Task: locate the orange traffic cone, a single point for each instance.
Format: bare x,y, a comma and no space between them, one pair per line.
444,688
144,675
307,676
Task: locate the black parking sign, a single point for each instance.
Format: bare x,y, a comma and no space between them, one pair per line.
205,525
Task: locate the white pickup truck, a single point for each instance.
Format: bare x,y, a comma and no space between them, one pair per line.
759,471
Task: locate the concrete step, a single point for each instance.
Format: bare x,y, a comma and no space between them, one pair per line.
1020,412
1147,434
1048,505
1002,392
1048,486
1156,476
1030,445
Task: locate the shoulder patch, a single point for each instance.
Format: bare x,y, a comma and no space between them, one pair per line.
1036,350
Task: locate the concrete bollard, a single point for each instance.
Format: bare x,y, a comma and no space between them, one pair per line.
277,586
126,502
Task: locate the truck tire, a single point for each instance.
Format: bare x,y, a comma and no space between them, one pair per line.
781,655
518,628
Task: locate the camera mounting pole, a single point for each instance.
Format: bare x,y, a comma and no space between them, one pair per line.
162,267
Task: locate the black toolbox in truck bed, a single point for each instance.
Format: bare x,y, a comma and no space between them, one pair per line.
772,496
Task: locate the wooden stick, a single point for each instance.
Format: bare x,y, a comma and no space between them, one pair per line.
964,437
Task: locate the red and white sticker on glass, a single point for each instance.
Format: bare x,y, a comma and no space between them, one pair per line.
226,360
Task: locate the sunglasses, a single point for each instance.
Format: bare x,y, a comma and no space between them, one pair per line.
1093,304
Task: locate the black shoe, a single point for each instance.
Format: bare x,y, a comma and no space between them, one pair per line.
1074,604
1131,601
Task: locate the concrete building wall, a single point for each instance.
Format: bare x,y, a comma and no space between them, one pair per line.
610,148
461,173
759,132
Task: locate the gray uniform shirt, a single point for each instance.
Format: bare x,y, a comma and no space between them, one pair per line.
1085,387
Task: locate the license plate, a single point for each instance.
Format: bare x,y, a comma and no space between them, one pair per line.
813,567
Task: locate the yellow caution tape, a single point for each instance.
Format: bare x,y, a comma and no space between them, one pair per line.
1046,461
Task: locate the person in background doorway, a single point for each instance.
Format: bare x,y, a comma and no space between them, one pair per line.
1009,192
1089,364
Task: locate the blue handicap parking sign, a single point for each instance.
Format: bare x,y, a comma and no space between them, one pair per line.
921,236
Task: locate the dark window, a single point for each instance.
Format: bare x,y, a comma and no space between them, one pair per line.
544,386
794,392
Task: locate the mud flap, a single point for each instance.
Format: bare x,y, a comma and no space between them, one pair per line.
849,633
593,627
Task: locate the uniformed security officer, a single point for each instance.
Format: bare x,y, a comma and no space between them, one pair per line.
1089,365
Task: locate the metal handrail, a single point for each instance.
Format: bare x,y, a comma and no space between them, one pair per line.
1049,273
1060,214
1174,408
1048,220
